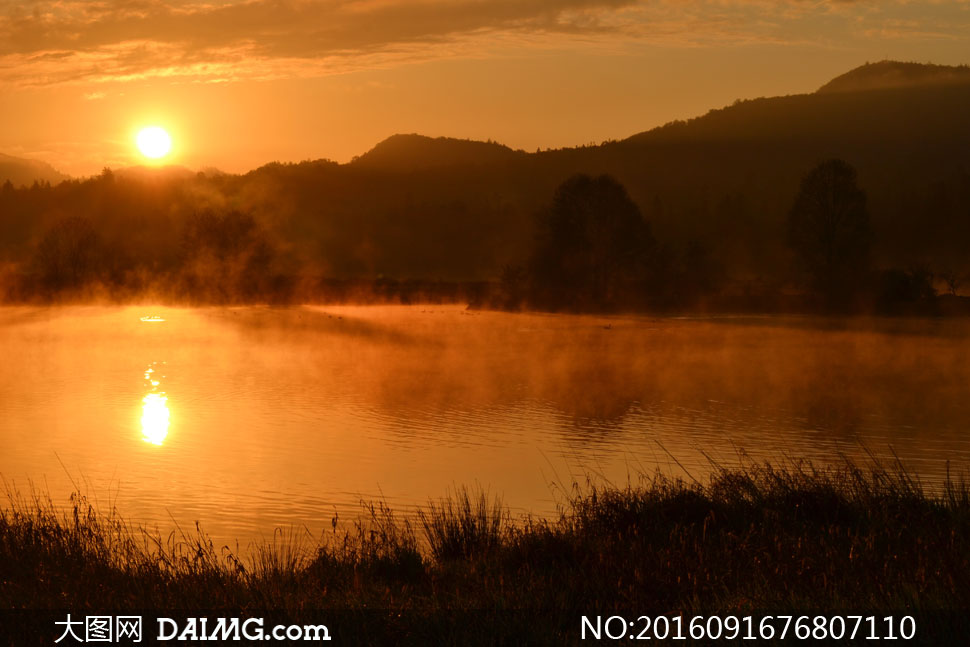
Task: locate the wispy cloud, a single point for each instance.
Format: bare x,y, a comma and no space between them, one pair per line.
58,41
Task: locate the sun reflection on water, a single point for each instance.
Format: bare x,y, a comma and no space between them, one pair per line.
154,411
154,418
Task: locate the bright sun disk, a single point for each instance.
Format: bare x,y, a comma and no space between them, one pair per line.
153,142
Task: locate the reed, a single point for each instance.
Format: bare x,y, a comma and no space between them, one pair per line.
755,538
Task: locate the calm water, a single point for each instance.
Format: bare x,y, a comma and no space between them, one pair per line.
251,418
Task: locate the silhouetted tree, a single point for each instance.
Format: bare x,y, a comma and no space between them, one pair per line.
828,227
513,285
951,279
900,290
592,245
229,257
702,274
69,255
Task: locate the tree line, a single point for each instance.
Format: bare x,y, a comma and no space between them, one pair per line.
591,248
594,251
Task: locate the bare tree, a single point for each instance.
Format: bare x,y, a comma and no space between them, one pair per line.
951,279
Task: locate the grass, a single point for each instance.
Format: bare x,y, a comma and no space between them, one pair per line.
755,539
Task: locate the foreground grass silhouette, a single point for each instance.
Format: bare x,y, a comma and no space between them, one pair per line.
754,539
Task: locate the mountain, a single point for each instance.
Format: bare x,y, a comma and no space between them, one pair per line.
439,208
412,152
896,74
725,179
24,172
728,177
924,108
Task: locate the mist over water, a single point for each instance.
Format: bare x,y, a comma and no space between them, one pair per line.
251,418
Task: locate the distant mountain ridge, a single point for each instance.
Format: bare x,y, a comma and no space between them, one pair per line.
829,114
896,74
420,152
877,102
21,171
748,119
725,178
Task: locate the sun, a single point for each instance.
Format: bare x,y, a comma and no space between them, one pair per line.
153,142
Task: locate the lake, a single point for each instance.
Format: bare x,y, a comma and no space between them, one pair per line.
252,418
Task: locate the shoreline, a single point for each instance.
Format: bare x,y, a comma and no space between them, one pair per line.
754,538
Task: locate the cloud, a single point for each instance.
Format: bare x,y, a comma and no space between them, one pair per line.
47,42
57,41
279,28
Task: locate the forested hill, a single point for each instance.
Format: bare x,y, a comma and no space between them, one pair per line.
24,172
409,152
895,74
417,207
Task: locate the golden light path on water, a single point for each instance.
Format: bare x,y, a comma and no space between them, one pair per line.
155,415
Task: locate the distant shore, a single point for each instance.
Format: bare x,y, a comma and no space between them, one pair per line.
489,295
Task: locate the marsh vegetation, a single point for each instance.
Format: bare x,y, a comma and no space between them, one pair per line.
760,538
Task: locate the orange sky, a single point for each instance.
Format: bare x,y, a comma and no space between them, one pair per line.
240,83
